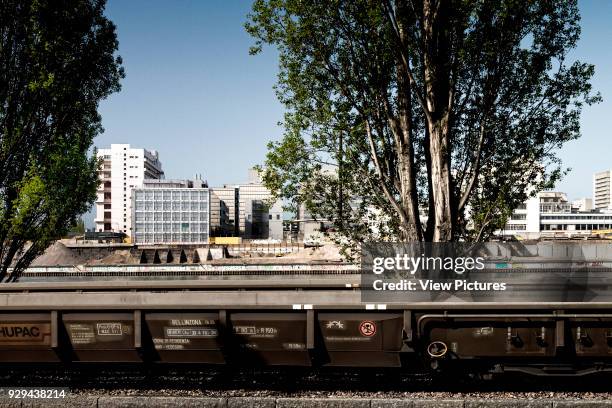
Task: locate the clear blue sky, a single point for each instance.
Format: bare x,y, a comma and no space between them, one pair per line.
191,90
193,93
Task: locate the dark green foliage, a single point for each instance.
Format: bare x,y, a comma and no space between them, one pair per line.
451,108
57,62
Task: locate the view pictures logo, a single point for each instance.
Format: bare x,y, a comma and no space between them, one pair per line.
411,264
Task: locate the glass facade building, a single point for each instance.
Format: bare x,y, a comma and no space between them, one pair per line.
171,215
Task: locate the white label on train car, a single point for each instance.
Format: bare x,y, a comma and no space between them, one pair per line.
81,333
191,332
253,331
109,329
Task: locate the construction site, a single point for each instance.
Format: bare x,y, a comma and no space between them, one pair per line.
67,252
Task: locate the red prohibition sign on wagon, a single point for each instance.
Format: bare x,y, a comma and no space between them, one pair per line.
367,328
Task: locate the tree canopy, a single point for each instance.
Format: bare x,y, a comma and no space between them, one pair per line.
57,61
435,118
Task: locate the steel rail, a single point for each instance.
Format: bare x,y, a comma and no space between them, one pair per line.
349,282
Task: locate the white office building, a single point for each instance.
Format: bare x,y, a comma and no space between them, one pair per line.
582,204
171,212
550,214
257,217
123,169
602,190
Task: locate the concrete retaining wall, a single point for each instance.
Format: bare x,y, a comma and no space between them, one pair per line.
248,402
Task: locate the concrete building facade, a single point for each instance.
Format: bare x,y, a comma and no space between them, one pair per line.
549,214
244,210
123,169
257,218
224,211
583,204
171,212
602,190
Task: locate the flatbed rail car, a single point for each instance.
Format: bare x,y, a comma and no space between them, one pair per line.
303,322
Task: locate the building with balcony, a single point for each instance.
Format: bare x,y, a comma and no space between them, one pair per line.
602,190
123,169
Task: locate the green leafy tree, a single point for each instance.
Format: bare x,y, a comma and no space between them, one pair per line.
57,62
404,110
78,228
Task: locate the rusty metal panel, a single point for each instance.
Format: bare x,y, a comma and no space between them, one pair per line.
102,336
362,339
26,337
271,338
186,337
591,337
491,337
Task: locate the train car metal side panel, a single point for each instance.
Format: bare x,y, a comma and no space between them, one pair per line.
28,337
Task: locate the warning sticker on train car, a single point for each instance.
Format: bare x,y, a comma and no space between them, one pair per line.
367,328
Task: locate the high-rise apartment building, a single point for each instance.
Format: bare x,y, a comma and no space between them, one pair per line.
602,190
123,169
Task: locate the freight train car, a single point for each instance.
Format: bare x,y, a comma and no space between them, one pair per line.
305,323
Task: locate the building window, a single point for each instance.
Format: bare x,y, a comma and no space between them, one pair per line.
515,227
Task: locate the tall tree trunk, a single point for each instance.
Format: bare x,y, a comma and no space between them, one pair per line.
441,183
407,177
404,142
438,97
